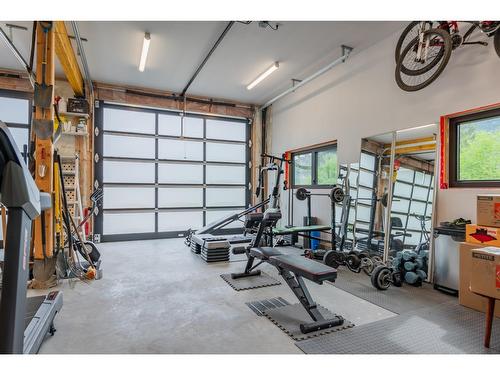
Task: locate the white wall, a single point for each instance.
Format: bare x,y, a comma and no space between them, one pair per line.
360,98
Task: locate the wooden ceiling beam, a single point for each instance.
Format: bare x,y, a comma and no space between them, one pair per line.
67,58
412,141
412,149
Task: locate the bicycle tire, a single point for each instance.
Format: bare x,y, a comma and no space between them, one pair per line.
496,42
402,37
442,63
426,68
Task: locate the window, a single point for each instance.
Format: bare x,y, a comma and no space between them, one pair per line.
475,150
315,167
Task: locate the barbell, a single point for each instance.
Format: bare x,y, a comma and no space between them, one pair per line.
336,194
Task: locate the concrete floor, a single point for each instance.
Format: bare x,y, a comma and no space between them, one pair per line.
158,297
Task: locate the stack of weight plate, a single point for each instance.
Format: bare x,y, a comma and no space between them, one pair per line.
215,250
195,248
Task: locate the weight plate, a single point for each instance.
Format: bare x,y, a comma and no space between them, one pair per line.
330,259
353,262
397,279
381,277
337,194
367,265
302,194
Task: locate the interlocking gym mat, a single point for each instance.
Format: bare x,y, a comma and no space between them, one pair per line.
258,307
289,318
253,282
447,328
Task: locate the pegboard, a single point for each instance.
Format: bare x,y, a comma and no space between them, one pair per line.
68,167
69,182
70,196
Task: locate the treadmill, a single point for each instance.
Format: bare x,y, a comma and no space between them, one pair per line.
24,322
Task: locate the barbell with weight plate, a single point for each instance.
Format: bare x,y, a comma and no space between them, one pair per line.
336,194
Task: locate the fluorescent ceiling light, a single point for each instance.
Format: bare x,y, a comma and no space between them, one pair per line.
263,76
145,49
414,128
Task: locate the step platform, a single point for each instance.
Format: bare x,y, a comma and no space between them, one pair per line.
215,250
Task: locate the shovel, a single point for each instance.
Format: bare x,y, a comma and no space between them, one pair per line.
43,93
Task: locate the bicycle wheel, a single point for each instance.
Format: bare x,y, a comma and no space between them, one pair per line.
496,42
438,39
408,34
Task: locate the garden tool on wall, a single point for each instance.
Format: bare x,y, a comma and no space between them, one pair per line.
58,124
42,97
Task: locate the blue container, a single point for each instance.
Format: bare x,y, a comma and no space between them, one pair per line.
314,242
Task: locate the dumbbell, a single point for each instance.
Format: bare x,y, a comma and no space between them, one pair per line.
413,279
410,266
422,274
409,255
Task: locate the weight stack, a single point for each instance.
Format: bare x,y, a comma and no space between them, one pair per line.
215,251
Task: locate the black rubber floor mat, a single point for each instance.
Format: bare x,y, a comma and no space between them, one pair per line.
398,300
289,318
447,328
259,307
252,282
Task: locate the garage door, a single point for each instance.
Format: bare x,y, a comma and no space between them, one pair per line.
164,173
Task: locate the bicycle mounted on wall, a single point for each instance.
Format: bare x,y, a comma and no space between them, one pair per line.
424,49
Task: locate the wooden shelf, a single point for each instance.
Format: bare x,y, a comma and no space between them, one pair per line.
74,114
84,134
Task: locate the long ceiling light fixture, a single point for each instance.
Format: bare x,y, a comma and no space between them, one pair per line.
264,75
144,53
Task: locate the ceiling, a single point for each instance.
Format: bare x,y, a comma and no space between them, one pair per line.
177,48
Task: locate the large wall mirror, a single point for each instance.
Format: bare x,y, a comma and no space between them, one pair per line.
392,191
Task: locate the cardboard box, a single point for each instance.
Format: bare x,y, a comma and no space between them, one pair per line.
482,235
465,296
485,271
488,210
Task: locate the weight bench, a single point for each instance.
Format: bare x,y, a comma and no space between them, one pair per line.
293,269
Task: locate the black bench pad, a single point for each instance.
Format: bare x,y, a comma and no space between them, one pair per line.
307,268
264,252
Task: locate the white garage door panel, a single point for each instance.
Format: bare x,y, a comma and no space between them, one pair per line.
124,223
128,172
128,197
180,197
220,197
14,110
224,152
227,130
123,120
180,173
179,220
129,147
217,215
220,174
173,149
